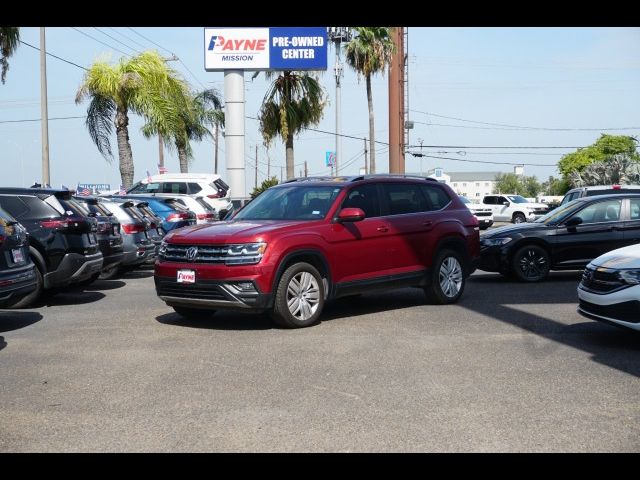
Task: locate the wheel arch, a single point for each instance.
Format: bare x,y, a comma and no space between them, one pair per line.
309,255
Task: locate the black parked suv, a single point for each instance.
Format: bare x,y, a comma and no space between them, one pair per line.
567,238
108,233
17,271
62,244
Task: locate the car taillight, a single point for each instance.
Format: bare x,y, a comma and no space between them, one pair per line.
177,217
616,187
68,223
205,216
133,227
214,195
57,224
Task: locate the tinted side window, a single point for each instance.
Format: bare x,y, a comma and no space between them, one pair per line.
14,206
489,200
38,209
174,187
608,211
364,197
635,208
404,198
436,197
194,188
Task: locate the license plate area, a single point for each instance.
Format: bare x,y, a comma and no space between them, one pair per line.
17,255
186,276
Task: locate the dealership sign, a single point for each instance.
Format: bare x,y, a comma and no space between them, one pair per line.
275,48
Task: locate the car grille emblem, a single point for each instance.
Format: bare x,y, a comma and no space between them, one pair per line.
192,253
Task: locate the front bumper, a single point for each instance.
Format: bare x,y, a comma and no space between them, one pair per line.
621,307
211,294
74,268
17,282
493,259
143,253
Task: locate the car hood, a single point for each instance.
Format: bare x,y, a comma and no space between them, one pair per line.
227,232
627,257
521,228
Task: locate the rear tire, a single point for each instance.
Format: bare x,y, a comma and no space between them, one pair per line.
194,313
447,280
530,263
89,281
31,298
110,273
299,297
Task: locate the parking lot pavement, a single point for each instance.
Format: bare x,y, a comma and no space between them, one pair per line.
511,367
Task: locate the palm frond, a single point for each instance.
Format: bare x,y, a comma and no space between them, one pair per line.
100,123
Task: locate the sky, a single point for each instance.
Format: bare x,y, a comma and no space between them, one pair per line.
469,87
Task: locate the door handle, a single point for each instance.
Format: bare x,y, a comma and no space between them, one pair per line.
428,223
382,229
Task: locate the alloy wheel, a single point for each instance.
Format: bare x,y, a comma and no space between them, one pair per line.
450,276
532,264
303,296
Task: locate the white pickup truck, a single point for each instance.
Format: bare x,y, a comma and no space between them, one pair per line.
481,212
514,208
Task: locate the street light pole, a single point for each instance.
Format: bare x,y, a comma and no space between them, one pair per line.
420,141
44,111
338,35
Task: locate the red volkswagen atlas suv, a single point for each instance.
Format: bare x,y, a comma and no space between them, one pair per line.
310,240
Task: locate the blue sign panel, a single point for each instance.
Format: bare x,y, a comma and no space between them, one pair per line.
298,48
330,159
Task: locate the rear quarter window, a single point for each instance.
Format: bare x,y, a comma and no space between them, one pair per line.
436,196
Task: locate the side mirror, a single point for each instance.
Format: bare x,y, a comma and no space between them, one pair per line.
506,204
223,214
350,215
573,221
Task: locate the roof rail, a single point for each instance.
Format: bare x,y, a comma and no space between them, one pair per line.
319,179
391,175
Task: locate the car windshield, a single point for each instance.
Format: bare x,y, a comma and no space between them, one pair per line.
290,203
555,216
464,199
517,199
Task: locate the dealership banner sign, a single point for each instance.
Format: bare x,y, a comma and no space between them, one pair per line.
274,48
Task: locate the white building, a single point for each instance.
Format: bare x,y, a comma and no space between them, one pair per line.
473,185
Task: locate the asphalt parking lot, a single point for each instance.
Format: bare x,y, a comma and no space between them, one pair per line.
511,367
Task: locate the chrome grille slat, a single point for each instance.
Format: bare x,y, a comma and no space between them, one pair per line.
206,253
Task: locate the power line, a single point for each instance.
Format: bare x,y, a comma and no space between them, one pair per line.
114,38
511,127
482,161
38,119
54,56
128,38
149,40
100,41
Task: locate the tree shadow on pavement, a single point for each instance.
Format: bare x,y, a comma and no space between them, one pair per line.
15,320
499,299
220,321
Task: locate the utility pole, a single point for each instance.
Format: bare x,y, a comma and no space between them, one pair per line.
268,165
44,110
281,170
306,172
160,151
215,157
396,105
366,166
420,141
256,180
338,35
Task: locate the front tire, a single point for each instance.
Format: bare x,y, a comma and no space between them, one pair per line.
447,280
530,263
299,297
519,218
110,273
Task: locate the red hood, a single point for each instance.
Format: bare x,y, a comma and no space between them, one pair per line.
228,232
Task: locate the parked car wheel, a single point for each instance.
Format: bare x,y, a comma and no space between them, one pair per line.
110,273
194,313
299,297
447,278
32,297
89,281
519,218
531,263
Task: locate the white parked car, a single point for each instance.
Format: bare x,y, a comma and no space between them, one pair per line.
514,208
481,212
610,288
205,213
209,186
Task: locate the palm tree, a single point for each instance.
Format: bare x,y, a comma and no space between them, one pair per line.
369,52
144,85
293,101
203,110
9,39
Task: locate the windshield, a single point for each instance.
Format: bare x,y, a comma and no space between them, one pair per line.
464,199
555,216
290,203
517,199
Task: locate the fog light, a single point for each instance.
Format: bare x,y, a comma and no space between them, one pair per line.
245,286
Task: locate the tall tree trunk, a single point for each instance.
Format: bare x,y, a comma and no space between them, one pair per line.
290,173
124,147
184,160
372,132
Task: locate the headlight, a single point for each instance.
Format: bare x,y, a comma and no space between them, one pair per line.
163,248
495,242
244,253
632,277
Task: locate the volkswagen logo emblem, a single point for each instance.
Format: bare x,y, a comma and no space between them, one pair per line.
192,253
